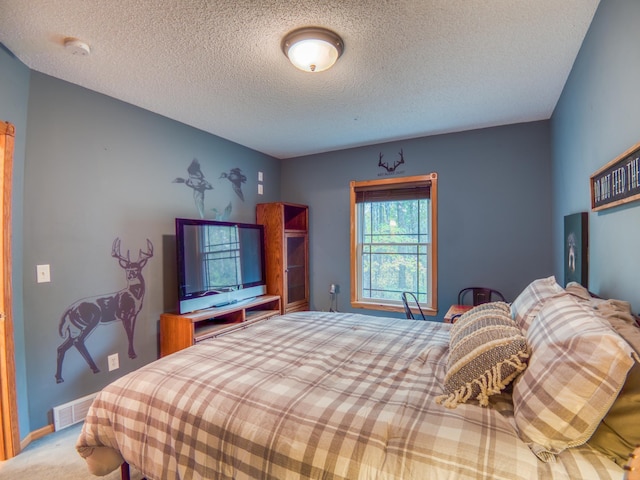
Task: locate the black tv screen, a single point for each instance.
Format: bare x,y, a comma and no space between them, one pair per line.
218,263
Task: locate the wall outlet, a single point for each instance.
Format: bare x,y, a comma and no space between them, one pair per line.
114,362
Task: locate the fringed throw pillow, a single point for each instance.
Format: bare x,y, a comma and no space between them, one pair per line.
486,352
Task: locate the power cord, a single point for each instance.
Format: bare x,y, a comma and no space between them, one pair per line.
334,302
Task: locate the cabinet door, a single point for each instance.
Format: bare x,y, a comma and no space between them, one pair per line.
296,274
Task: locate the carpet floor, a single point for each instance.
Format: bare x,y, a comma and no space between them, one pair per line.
53,457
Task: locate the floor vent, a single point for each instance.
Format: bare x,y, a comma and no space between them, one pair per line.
72,412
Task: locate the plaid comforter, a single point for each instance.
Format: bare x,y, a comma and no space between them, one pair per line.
314,395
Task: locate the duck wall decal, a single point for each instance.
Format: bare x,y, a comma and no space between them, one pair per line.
237,178
197,183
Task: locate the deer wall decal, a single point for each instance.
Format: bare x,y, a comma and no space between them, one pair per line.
82,317
386,165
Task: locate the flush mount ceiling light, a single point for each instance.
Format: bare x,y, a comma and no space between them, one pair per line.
312,49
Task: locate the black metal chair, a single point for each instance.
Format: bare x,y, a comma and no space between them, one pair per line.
480,295
407,309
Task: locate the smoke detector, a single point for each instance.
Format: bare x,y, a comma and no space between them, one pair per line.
76,47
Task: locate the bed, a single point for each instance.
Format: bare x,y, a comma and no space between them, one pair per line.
325,395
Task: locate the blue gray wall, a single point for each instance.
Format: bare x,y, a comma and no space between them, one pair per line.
597,119
98,169
494,207
14,96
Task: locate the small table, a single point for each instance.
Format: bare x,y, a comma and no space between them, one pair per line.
456,310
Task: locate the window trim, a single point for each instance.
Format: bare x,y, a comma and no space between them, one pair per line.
394,182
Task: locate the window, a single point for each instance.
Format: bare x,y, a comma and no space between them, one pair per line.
221,254
394,242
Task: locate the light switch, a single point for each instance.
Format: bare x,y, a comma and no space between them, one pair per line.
260,176
44,273
260,189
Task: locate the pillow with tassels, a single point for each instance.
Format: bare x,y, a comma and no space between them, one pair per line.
487,351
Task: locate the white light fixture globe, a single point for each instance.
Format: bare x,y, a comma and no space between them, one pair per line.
312,49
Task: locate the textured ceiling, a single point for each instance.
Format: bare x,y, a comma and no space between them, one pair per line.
410,68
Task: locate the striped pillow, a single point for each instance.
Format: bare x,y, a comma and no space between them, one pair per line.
525,308
486,352
577,367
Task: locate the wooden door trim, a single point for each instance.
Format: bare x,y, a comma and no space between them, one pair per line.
9,431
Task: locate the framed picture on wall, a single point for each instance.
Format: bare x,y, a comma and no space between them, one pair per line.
576,249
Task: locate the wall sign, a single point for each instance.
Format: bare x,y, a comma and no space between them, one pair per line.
618,181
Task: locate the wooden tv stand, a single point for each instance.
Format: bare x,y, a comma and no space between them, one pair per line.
178,331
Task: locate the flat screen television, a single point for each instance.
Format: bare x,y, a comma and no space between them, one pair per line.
219,263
